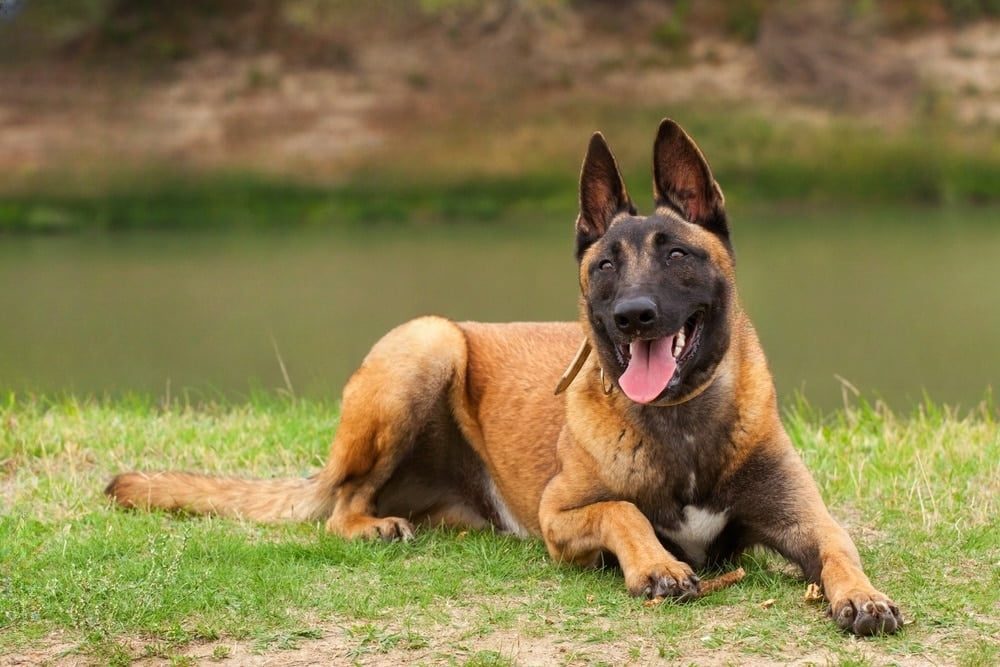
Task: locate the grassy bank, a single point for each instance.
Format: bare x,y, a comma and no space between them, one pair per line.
502,168
80,580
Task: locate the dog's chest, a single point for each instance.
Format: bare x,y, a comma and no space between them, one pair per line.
670,466
694,531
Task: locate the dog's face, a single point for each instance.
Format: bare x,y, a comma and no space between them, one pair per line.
657,290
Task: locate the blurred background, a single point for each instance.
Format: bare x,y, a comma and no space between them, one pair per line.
210,199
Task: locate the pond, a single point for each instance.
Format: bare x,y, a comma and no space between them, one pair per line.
901,303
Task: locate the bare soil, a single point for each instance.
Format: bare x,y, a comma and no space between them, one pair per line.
336,646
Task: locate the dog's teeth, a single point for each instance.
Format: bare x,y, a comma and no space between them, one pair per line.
679,344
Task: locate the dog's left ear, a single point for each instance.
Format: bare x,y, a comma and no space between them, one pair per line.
602,194
683,180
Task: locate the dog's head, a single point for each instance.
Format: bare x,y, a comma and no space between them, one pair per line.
657,290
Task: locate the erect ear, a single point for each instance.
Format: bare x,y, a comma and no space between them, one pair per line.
683,180
602,194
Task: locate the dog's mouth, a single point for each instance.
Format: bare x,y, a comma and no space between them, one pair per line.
653,365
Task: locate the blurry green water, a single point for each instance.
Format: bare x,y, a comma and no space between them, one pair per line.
897,301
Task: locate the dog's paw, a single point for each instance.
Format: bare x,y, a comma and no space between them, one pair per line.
393,528
673,580
389,528
866,613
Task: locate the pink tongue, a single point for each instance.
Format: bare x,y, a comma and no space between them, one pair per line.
649,370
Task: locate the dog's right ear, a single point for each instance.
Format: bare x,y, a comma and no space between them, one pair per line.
683,181
602,194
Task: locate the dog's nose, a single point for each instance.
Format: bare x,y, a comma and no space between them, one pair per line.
636,314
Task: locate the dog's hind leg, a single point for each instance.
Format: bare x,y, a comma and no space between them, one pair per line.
388,404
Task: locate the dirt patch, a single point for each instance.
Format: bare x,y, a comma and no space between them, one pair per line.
340,643
55,649
963,66
215,112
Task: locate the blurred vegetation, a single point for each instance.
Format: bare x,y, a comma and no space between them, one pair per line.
503,159
170,30
755,159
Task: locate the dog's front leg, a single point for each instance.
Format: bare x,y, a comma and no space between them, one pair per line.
580,533
855,604
789,512
820,543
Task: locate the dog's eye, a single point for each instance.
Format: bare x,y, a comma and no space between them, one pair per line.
606,265
677,253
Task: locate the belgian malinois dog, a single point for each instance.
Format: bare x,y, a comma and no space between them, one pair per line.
666,451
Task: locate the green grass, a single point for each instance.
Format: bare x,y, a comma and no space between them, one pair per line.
78,578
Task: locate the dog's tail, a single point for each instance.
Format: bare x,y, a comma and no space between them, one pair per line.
272,500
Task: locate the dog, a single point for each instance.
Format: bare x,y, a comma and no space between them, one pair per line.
662,448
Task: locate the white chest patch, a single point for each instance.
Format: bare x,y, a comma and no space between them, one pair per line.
696,531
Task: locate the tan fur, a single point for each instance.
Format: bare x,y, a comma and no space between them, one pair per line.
494,380
456,424
261,500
